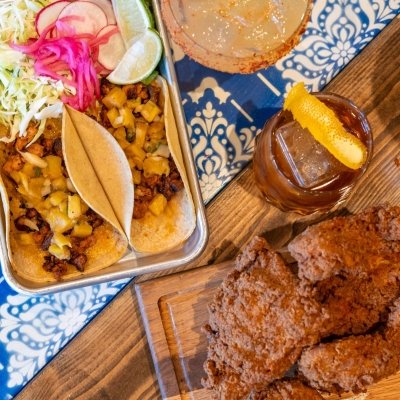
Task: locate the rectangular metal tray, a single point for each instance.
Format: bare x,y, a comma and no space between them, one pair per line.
132,265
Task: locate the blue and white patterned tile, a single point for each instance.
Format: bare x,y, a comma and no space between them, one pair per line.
35,328
224,113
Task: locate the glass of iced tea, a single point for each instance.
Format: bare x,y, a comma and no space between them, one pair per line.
295,172
236,35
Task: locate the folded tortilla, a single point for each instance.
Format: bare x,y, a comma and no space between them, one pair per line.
152,234
27,259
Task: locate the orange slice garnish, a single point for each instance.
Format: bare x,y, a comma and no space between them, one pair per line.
322,122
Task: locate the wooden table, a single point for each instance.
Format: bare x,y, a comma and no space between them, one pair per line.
110,358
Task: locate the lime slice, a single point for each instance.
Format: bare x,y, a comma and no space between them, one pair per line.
139,61
322,122
133,18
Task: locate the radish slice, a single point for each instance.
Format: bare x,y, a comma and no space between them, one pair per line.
106,6
49,15
111,53
89,18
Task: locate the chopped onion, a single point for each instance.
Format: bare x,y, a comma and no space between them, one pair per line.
46,189
34,159
29,223
163,151
70,186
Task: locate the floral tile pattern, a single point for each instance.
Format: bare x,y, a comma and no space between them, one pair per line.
224,113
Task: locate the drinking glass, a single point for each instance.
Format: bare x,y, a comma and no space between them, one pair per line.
296,173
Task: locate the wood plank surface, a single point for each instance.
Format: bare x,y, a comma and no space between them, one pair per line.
110,358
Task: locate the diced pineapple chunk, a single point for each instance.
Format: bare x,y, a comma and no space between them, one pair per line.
58,221
114,118
150,110
115,98
74,206
120,135
47,204
135,151
22,190
62,253
141,131
157,130
29,170
56,198
46,189
63,207
136,176
155,166
26,238
128,119
82,229
15,176
54,168
60,240
35,187
136,162
84,207
158,204
133,103
59,183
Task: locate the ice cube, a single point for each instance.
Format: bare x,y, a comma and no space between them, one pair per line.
311,163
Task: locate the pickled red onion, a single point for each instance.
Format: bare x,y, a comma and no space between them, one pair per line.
69,58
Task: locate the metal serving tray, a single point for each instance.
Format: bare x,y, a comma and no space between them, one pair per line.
134,264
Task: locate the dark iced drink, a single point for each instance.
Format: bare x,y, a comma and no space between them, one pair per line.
295,172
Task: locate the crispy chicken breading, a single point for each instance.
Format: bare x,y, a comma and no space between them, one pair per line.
259,323
354,305
287,389
352,246
263,314
353,363
351,266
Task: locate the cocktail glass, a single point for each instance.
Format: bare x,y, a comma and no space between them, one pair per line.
295,172
236,35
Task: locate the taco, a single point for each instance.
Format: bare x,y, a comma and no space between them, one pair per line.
51,232
141,119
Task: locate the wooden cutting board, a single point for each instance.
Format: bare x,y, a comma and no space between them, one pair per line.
174,308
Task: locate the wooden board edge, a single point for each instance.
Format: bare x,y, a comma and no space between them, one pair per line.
148,301
162,364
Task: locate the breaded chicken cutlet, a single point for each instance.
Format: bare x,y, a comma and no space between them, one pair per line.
287,389
351,266
258,325
353,246
354,363
263,314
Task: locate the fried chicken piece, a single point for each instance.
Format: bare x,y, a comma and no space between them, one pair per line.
354,363
354,305
353,245
259,323
351,265
287,389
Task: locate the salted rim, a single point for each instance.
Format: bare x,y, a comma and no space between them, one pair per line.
220,62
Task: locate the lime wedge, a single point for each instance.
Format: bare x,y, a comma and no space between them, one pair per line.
139,61
325,126
133,18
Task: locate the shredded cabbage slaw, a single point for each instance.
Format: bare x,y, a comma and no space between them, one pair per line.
24,96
